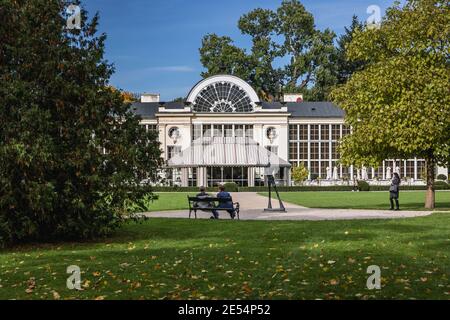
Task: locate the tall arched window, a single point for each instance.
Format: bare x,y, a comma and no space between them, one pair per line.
222,93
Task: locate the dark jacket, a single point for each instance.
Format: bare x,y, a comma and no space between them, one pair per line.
395,185
228,204
203,204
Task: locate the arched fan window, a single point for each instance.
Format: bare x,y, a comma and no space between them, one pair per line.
222,97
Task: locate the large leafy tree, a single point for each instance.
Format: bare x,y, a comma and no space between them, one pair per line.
58,116
344,66
399,105
288,35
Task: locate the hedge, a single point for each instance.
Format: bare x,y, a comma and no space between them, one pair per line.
439,185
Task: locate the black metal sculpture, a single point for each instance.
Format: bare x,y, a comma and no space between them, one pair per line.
271,182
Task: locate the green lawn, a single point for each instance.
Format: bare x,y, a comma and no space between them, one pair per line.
169,201
174,259
409,200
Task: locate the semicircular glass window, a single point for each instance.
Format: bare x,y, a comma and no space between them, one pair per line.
222,97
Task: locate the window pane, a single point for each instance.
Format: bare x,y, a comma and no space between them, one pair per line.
303,132
228,130
249,131
325,132
207,130
172,151
218,130
325,150
314,131
323,169
336,131
196,131
314,168
239,130
314,150
293,132
303,150
421,169
227,173
410,169
334,150
217,173
293,151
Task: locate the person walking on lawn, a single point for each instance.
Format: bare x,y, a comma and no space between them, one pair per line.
394,192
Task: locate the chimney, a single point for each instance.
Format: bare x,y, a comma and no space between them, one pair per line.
150,97
293,97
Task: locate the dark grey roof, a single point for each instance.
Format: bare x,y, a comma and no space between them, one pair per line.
149,109
296,109
271,105
314,110
145,109
173,105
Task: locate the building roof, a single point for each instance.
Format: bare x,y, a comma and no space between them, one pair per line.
226,152
314,110
296,109
145,109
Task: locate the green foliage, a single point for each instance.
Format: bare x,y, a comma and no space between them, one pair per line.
231,187
345,67
288,33
363,185
399,106
299,174
57,115
179,99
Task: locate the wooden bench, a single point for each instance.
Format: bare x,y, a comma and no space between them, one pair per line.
215,202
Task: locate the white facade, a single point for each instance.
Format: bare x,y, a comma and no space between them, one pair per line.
297,132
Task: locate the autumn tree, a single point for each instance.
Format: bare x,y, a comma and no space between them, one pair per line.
71,150
300,173
399,105
287,34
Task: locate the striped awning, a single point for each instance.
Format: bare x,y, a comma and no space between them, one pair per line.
226,152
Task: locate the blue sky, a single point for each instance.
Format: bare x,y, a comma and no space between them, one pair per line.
154,43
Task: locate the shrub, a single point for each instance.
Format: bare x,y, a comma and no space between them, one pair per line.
231,187
442,177
440,185
363,185
299,174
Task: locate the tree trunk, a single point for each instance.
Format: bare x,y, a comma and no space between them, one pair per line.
430,197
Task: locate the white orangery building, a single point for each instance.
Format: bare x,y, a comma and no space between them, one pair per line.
223,132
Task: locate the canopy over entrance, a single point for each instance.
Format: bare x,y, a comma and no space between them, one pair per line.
226,152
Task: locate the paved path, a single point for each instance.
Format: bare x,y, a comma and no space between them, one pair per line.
294,212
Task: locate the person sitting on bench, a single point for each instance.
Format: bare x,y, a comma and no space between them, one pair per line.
204,204
224,205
